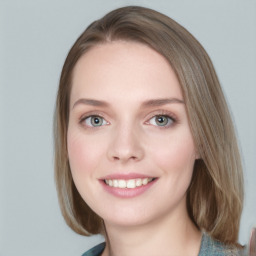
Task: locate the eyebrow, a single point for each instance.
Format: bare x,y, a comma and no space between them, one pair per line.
91,102
147,103
161,102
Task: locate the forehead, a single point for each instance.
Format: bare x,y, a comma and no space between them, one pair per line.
119,68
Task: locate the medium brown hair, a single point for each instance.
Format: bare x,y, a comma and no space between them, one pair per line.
215,195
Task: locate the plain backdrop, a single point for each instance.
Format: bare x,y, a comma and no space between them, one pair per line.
35,37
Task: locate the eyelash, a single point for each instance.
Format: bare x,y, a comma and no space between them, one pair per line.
165,114
84,118
171,118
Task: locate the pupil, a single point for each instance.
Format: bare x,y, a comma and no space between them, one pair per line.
96,121
161,120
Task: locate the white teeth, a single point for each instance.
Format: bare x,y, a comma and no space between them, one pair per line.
133,183
115,183
145,181
138,182
122,184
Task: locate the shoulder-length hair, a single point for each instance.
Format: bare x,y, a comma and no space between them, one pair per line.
215,195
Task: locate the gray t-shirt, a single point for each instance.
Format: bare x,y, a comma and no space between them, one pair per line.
209,247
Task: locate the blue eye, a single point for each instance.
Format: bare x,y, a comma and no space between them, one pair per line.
95,121
161,120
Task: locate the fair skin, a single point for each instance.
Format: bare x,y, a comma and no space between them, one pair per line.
131,151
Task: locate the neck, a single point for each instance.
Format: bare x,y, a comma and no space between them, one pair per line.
175,235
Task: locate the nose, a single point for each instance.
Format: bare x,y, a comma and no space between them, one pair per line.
125,145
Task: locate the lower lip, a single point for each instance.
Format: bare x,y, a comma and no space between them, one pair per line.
127,192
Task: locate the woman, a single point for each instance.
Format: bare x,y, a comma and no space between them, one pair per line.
145,150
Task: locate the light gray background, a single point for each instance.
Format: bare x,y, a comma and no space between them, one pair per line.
35,38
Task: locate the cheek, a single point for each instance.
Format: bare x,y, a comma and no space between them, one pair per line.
84,163
176,161
175,154
83,154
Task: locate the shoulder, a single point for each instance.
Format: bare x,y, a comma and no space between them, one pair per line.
211,247
95,251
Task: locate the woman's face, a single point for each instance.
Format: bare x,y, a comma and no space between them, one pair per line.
130,148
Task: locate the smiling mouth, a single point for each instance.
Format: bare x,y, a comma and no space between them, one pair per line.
132,183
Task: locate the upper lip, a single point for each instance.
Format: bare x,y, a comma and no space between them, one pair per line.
128,176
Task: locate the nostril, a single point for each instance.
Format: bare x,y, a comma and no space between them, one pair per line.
124,153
